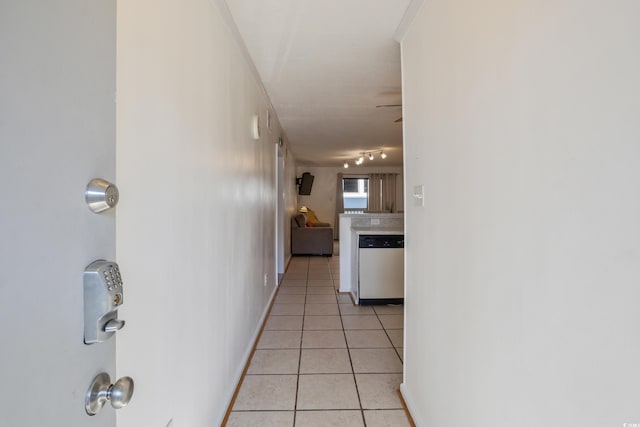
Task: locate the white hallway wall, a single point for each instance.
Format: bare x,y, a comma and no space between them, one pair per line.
521,120
195,225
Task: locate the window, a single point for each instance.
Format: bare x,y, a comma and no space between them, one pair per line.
355,193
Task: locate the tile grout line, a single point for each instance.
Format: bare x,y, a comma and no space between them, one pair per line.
304,309
389,338
248,364
353,371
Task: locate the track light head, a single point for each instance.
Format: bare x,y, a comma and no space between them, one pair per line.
383,155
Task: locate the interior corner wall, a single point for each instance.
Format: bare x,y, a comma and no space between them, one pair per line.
521,121
195,222
322,199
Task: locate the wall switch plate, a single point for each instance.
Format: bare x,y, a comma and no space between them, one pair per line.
418,195
265,279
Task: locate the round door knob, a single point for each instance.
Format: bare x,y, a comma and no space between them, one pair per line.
121,392
101,390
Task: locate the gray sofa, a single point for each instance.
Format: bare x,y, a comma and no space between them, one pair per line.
306,240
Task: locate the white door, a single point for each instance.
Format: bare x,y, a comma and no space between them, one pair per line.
57,130
280,212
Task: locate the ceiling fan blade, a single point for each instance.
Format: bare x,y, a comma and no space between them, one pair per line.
397,120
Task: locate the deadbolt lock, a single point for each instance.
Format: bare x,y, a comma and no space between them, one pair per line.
101,195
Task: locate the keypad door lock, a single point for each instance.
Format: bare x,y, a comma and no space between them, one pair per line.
103,295
101,195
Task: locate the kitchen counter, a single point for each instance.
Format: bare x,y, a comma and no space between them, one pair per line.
356,232
351,227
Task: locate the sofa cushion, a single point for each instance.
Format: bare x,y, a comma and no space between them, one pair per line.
301,220
311,217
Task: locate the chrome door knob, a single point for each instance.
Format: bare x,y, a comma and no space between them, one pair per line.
101,390
120,392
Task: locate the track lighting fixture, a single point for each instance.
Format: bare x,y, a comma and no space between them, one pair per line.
369,154
346,165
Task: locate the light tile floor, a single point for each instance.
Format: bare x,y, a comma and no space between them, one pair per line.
321,361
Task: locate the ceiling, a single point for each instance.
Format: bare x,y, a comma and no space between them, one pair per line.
326,65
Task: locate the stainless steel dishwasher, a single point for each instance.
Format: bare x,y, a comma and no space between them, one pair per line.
381,269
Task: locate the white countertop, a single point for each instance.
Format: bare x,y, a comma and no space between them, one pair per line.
377,230
372,215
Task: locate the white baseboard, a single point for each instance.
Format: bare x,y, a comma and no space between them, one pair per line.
247,355
411,406
286,262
